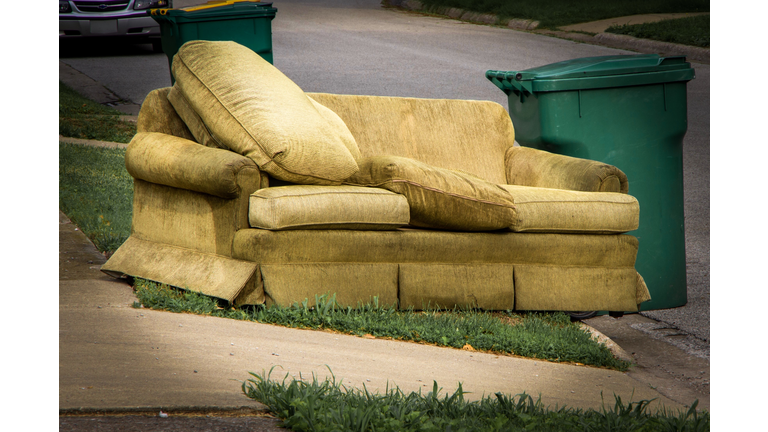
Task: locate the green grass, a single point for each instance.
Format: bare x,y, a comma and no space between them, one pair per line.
82,118
96,193
692,31
327,405
551,337
555,13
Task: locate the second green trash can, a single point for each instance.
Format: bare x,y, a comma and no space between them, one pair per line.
629,111
246,22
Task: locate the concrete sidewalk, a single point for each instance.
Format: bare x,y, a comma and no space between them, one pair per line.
120,359
602,25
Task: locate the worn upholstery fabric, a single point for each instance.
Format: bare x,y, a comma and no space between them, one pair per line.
642,295
531,167
327,207
463,135
440,198
556,210
448,286
193,121
412,245
457,268
575,288
158,115
255,110
353,284
185,218
180,163
210,274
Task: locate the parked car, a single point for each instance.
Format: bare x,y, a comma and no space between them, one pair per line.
111,18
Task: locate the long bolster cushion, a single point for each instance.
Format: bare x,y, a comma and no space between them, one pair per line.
566,211
327,207
181,163
256,111
440,198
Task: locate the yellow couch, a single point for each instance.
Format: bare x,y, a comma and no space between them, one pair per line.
249,190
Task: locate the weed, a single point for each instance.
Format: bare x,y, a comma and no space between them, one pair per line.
327,405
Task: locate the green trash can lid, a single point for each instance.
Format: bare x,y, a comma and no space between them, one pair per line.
217,9
595,72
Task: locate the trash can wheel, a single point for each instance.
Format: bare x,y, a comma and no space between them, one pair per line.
582,315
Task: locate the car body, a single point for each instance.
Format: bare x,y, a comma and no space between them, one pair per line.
110,18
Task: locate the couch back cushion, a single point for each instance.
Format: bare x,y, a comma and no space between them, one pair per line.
464,135
157,114
253,109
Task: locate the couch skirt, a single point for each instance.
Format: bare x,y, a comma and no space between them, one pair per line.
414,268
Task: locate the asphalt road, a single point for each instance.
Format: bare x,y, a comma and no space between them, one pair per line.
358,47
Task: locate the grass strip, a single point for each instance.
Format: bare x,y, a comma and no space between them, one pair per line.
551,337
327,405
692,31
83,118
555,13
96,193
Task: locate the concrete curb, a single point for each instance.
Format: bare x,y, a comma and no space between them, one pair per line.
464,15
615,349
643,45
256,408
610,40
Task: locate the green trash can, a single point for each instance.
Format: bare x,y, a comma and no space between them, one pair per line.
629,111
246,22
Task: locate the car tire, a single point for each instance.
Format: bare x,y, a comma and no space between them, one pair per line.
157,46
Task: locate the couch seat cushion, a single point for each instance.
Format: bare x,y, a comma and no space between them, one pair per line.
253,109
440,198
557,210
327,207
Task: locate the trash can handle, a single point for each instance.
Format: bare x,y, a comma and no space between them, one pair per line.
511,82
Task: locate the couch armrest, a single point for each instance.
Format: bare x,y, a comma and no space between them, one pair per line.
158,115
181,163
531,167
